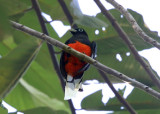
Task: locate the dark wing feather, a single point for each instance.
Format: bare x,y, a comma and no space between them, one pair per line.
94,50
62,65
84,39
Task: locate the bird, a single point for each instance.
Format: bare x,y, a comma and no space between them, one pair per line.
72,68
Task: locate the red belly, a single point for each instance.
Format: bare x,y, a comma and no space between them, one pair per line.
73,63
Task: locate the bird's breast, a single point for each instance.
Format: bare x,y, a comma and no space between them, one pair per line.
73,64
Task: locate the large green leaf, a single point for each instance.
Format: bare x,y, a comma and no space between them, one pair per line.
15,64
41,76
129,66
138,99
85,20
93,101
14,7
109,44
44,110
51,7
4,25
149,111
110,33
42,99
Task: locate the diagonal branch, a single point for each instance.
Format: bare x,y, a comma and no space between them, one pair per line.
134,24
51,49
70,19
120,98
129,43
67,13
85,58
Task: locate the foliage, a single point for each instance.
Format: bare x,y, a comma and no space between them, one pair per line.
27,78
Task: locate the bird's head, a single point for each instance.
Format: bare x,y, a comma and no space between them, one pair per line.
78,31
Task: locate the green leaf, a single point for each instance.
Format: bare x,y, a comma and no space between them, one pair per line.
14,7
42,99
93,101
109,44
4,25
96,101
85,20
90,21
40,75
3,111
44,110
150,111
128,66
51,7
15,64
138,99
43,77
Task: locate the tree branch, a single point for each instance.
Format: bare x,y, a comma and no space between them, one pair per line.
51,49
134,24
120,98
129,43
67,13
85,58
70,19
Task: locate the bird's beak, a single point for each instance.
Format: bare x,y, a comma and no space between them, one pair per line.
73,31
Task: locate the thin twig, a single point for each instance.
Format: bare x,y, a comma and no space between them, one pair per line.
134,24
51,50
67,13
129,43
120,98
85,58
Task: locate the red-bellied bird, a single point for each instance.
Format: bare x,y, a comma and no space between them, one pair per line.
71,67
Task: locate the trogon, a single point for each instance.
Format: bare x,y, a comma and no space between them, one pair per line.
71,67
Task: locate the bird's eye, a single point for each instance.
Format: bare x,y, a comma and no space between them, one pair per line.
80,30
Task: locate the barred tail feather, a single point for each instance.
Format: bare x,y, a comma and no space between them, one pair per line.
70,91
72,87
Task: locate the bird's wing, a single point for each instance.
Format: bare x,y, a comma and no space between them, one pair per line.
62,65
94,50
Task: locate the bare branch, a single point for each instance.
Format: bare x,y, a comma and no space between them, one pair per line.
85,58
129,43
67,13
134,24
70,19
51,49
119,97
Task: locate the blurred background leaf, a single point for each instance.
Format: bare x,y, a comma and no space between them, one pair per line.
3,111
138,99
22,55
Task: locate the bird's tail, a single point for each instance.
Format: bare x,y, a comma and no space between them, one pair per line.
72,87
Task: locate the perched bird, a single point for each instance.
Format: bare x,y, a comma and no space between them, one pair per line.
71,67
